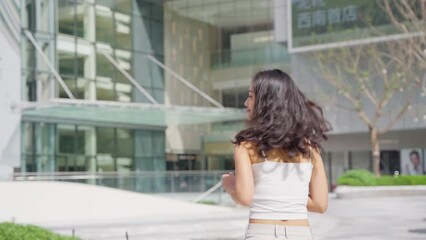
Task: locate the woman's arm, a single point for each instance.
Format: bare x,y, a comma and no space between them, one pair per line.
240,186
318,187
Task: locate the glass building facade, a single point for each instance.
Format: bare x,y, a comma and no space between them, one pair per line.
77,37
172,49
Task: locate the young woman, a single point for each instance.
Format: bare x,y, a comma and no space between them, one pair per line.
279,172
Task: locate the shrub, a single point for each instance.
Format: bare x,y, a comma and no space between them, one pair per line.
358,177
11,231
350,182
392,180
416,180
362,177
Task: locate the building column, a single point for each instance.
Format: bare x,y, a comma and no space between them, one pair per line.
90,148
90,151
45,12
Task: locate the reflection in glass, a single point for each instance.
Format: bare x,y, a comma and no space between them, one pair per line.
105,143
104,25
122,6
71,148
104,79
71,18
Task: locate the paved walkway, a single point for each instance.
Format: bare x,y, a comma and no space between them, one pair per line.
107,214
384,218
64,203
393,218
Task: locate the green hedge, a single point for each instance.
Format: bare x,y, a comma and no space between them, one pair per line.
362,177
11,231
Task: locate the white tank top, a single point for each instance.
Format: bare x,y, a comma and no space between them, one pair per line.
280,190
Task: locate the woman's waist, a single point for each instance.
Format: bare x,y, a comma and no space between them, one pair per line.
287,222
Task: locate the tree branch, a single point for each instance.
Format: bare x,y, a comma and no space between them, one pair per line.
397,117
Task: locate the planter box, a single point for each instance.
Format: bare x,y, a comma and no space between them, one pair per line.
379,191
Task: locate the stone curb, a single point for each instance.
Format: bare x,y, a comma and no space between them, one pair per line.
379,191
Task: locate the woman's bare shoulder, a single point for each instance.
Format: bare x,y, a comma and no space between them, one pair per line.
251,150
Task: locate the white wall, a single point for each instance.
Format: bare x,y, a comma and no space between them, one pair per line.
10,93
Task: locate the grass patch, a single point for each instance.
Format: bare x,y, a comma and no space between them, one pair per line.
362,177
208,202
12,231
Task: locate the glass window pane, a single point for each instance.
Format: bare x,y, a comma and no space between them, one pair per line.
122,6
123,31
67,65
105,89
159,144
124,142
105,72
66,138
71,84
105,140
71,18
66,15
124,164
157,37
82,27
104,25
105,149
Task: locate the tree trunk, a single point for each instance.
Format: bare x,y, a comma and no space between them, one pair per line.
375,147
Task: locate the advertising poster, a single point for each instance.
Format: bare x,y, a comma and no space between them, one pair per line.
412,161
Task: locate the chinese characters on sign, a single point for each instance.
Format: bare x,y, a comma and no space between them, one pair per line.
316,24
307,17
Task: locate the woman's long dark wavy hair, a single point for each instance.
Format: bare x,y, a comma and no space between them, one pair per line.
282,118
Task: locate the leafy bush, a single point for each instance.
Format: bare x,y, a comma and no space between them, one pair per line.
359,177
350,182
392,180
11,231
416,180
362,177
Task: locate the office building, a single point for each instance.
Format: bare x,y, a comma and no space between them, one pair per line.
144,85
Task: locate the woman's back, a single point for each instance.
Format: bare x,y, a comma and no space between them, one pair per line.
281,186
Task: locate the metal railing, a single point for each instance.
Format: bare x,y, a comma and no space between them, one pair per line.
79,168
138,181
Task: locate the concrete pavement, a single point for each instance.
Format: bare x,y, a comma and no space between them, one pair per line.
65,203
107,214
380,218
393,218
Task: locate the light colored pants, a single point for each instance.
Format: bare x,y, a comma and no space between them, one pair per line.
277,232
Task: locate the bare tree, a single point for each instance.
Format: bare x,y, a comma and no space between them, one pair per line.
370,77
409,17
